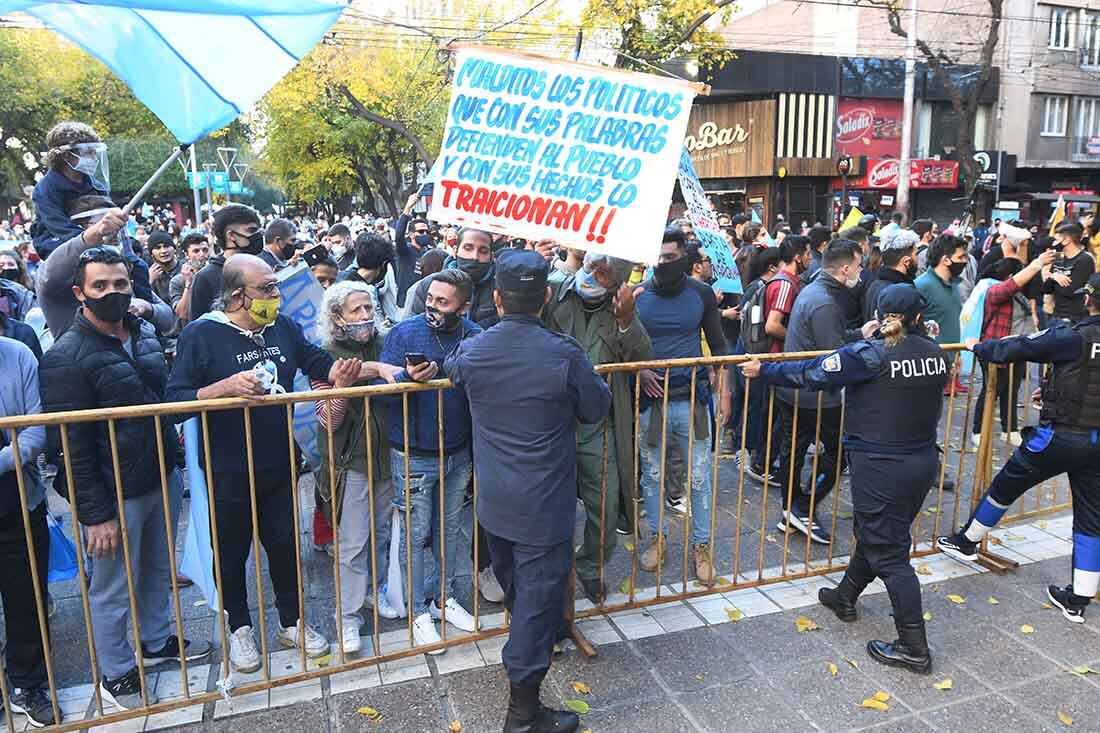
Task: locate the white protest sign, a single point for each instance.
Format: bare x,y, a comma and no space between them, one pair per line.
546,149
702,219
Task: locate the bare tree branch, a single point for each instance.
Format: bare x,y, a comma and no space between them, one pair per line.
699,21
359,110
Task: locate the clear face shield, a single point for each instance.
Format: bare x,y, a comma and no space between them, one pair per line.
89,159
119,242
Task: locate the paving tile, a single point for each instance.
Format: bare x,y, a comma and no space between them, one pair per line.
832,703
1076,696
994,712
479,698
638,716
303,717
998,658
738,706
615,675
771,642
185,716
409,707
679,618
458,658
691,660
298,692
751,602
355,679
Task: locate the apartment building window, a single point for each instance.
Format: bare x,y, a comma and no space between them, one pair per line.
1090,40
1054,116
1088,117
1061,24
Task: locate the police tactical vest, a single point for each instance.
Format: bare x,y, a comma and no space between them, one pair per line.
1071,392
902,405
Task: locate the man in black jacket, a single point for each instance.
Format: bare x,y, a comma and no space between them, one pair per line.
899,265
237,231
109,358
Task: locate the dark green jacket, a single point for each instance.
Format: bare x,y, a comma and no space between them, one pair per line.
599,336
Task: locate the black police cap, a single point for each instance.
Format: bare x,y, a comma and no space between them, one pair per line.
521,271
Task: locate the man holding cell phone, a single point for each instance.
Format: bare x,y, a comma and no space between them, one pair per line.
419,345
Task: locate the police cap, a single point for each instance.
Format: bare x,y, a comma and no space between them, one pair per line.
521,271
1092,286
902,299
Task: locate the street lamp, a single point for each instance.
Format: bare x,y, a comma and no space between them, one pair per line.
226,156
844,167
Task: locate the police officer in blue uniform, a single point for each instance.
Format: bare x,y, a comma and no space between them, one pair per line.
893,398
528,387
1066,440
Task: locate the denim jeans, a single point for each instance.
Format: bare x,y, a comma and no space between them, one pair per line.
679,428
422,522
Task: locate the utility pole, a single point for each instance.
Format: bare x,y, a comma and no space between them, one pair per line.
580,40
902,202
209,168
195,189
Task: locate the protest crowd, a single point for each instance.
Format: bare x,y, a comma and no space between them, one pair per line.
101,309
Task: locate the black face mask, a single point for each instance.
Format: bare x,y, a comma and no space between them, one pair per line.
287,250
440,321
255,243
111,308
11,273
476,270
957,268
423,240
911,269
666,274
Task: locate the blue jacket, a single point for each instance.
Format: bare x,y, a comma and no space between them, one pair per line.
13,329
19,395
1059,343
52,195
528,387
415,336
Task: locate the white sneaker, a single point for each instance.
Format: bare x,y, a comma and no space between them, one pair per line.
316,645
385,609
1012,438
424,633
351,639
457,616
243,654
489,586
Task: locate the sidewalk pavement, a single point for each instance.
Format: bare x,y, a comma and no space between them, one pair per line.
690,667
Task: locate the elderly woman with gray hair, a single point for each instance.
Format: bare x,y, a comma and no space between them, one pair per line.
596,307
357,501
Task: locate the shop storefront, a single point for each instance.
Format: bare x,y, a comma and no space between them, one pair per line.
933,184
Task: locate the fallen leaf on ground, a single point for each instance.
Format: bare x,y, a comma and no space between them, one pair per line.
931,510
956,598
628,546
700,677
370,712
882,696
853,662
874,704
993,601
1064,719
1013,537
580,688
946,684
923,569
1026,629
734,614
580,707
769,538
804,624
455,726
323,661
833,669
1083,670
624,587
844,515
1042,524
994,540
927,615
1048,606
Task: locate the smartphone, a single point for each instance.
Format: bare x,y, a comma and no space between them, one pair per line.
316,254
415,358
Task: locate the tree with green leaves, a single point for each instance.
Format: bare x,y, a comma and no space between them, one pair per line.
647,33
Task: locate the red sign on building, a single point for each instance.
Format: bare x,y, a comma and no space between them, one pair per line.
870,127
922,174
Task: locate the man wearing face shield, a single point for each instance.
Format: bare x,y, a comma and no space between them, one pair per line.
596,308
77,161
237,231
102,225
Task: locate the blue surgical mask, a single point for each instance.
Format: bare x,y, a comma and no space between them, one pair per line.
588,287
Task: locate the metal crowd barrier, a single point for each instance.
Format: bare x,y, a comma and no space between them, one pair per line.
738,562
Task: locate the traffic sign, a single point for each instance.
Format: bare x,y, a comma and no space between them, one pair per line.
219,178
235,187
197,179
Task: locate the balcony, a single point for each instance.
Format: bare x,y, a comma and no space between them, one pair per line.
1085,149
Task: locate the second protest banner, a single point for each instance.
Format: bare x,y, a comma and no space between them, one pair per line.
544,149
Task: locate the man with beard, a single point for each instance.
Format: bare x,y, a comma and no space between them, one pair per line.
474,256
163,263
899,266
596,308
196,250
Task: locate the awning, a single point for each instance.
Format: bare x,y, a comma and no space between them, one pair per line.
1080,198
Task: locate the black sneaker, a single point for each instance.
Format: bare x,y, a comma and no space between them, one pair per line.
125,691
171,651
957,546
1073,606
758,472
806,525
35,703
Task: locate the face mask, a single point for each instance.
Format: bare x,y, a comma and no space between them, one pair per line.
86,165
362,332
588,287
423,240
852,284
338,252
287,250
255,243
670,273
264,310
957,268
911,269
11,273
198,264
440,321
476,270
110,308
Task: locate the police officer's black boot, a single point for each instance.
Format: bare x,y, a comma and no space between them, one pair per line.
527,715
840,600
909,650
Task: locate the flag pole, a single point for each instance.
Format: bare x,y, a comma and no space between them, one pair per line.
137,197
